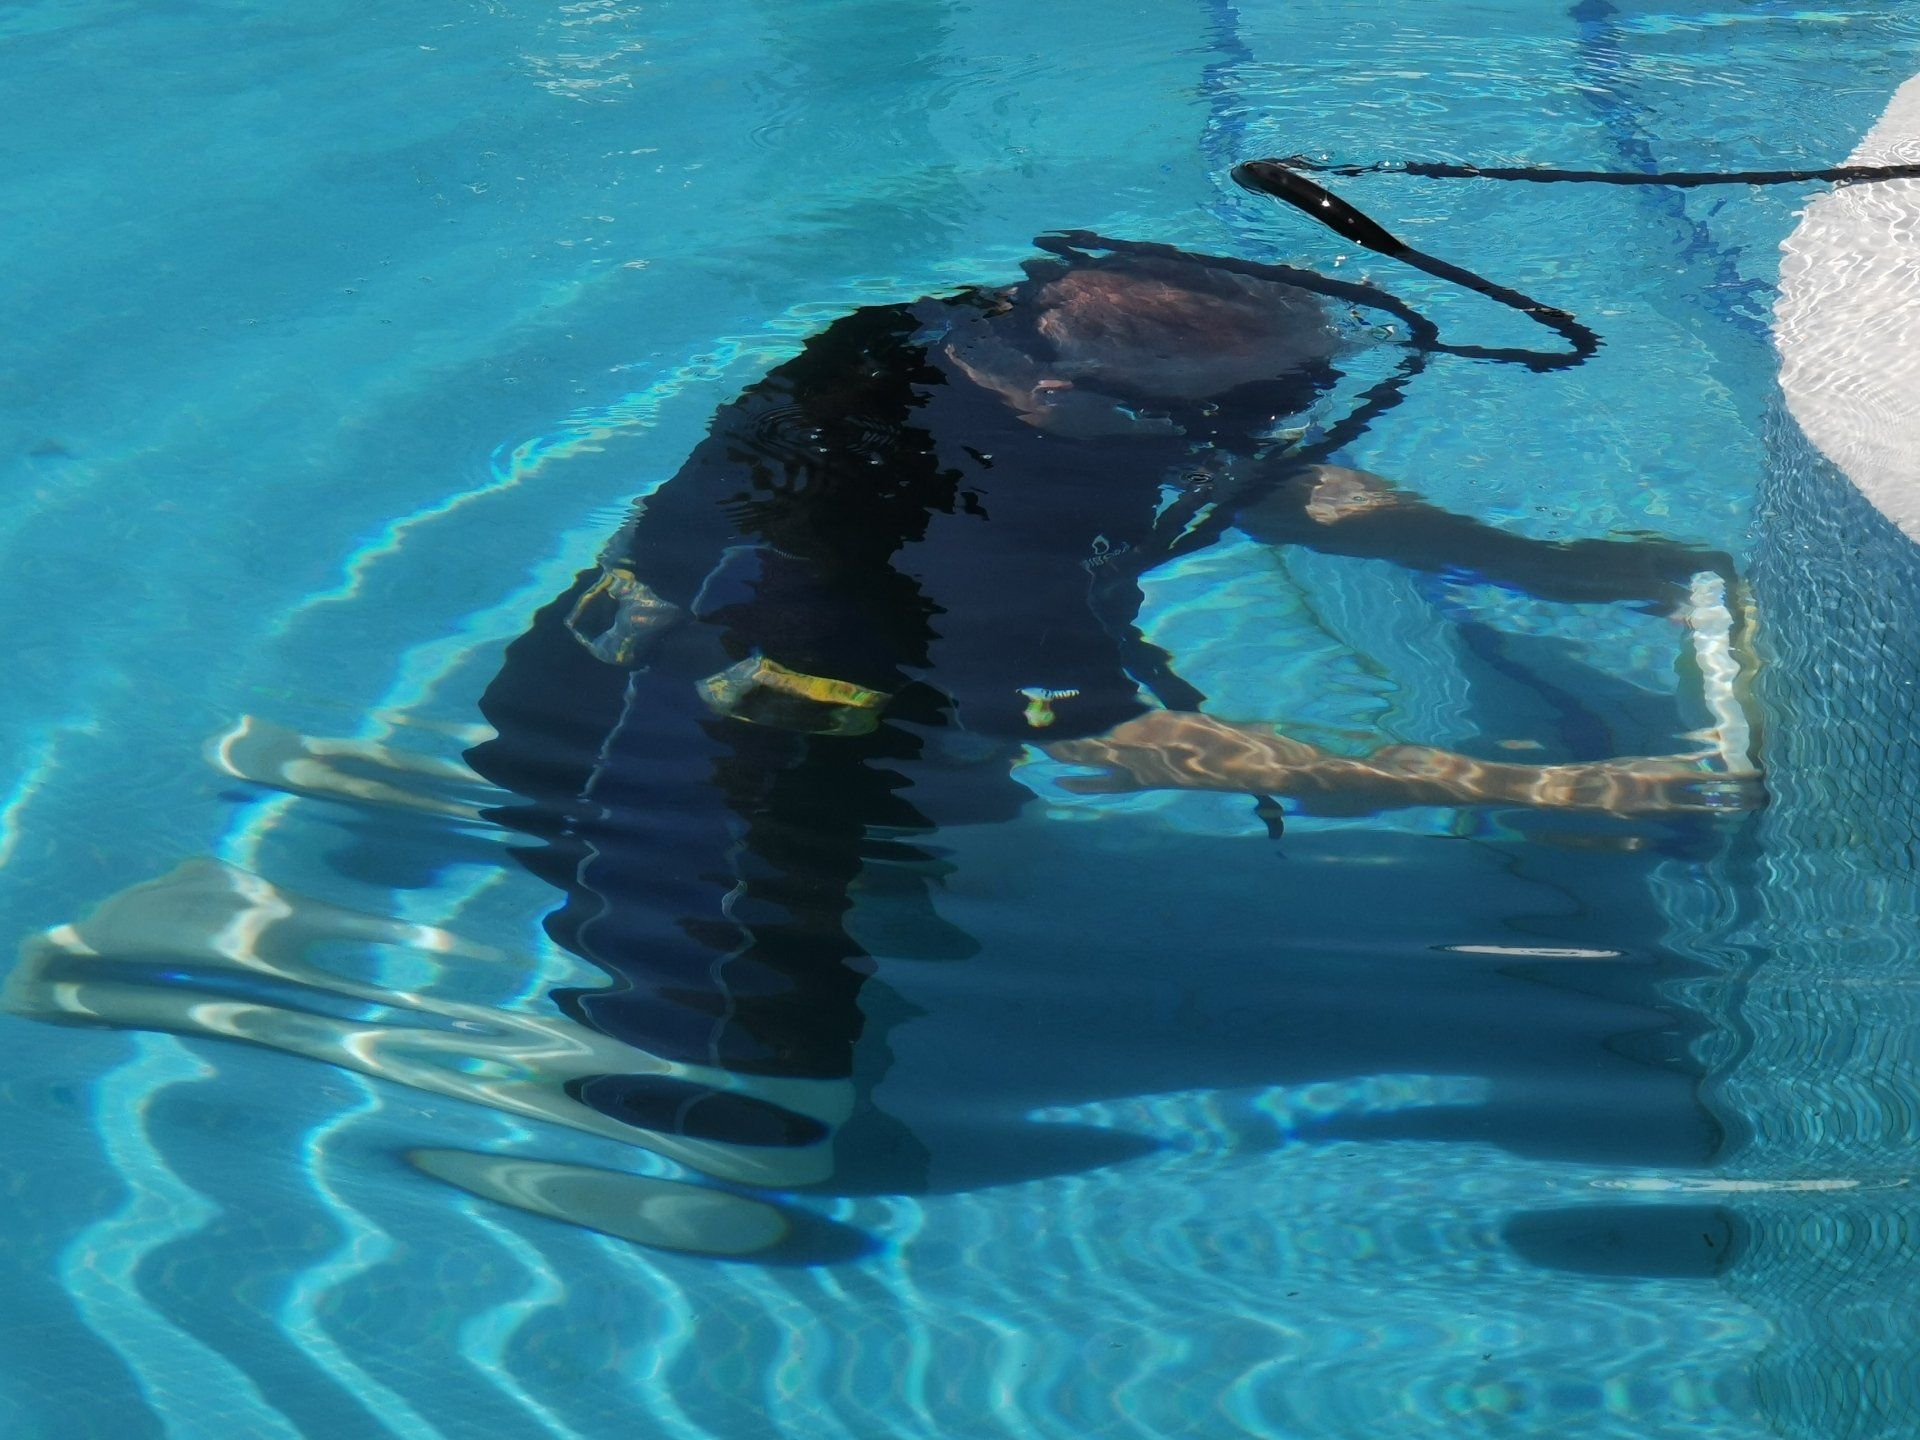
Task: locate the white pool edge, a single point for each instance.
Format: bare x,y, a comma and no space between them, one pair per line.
1847,321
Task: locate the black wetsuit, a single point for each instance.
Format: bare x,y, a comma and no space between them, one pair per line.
867,513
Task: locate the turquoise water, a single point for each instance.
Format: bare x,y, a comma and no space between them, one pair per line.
337,341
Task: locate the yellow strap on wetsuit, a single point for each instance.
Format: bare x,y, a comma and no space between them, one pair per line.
764,692
621,618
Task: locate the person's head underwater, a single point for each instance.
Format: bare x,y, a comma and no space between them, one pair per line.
1127,334
1176,329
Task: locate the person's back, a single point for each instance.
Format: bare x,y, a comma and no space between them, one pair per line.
924,533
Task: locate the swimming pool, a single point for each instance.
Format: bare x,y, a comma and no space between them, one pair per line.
339,341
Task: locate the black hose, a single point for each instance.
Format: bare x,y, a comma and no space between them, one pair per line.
1281,180
1284,179
1547,174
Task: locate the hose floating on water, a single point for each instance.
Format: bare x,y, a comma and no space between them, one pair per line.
1283,179
1547,174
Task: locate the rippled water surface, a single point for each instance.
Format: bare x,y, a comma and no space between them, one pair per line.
340,338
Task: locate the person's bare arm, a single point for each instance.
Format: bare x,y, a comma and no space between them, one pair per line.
1175,750
1340,511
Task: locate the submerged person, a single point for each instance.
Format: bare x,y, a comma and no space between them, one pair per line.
917,544
941,498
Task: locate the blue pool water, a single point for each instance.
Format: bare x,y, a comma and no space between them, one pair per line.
338,338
